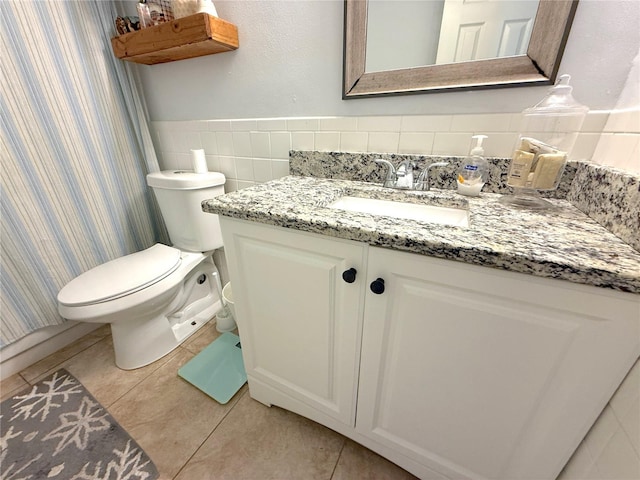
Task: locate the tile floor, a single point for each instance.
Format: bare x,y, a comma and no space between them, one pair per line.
189,436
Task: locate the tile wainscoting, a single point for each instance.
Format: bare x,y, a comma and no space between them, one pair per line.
257,150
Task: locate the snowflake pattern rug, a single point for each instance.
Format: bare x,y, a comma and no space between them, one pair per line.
58,430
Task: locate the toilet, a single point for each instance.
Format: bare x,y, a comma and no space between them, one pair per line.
157,298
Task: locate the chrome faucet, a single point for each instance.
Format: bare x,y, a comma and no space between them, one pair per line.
424,181
401,177
390,179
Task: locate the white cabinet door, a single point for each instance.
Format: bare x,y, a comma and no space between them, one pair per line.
299,321
479,373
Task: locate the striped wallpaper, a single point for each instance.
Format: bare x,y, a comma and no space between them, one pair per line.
75,153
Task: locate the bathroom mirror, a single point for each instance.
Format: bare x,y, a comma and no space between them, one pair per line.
539,65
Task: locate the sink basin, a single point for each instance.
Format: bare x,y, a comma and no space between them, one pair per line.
457,217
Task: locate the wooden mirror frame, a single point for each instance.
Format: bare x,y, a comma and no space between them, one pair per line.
538,67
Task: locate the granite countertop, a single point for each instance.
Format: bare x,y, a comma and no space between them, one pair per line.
562,243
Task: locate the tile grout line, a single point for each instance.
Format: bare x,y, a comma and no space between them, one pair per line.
37,378
165,360
333,472
209,436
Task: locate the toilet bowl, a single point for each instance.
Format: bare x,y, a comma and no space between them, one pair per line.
156,298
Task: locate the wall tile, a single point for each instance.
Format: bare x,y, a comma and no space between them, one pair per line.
280,145
303,124
339,124
213,163
383,142
499,144
379,124
262,170
302,141
244,125
164,141
195,126
279,168
272,124
585,146
616,149
327,141
231,185
176,142
225,143
354,141
159,125
416,143
228,167
244,184
193,141
595,121
244,168
219,125
183,161
170,161
451,143
426,123
516,122
209,143
260,144
241,144
497,122
445,134
627,121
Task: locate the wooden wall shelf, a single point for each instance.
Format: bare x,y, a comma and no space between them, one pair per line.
187,37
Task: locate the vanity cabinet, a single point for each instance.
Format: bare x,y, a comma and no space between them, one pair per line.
300,321
454,370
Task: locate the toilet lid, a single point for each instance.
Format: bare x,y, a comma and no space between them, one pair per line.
122,276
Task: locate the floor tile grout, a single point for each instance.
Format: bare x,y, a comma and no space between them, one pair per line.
344,443
210,434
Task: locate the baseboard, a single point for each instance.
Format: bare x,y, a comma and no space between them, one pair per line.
40,344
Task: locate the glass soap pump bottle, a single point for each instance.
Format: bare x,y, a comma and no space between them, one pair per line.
548,133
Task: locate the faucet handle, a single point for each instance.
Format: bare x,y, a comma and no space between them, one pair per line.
423,182
390,179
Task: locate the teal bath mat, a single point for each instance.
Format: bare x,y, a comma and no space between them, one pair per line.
218,370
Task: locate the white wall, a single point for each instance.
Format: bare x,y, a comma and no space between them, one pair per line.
289,64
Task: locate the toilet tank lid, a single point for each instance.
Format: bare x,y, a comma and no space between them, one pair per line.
184,179
120,277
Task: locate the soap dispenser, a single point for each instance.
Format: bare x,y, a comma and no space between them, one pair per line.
474,171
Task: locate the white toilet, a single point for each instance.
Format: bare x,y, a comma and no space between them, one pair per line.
155,299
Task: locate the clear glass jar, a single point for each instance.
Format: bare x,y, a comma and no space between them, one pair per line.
548,133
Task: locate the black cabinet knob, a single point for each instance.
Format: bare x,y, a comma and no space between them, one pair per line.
349,276
377,286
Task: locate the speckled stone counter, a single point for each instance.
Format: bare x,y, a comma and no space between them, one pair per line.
562,243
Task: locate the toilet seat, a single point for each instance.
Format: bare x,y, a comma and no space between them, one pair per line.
121,277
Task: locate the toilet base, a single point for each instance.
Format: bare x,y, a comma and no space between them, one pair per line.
139,343
143,339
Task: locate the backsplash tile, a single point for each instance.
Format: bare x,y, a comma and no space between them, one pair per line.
611,197
361,167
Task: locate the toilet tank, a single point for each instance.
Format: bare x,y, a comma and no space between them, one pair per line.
180,194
